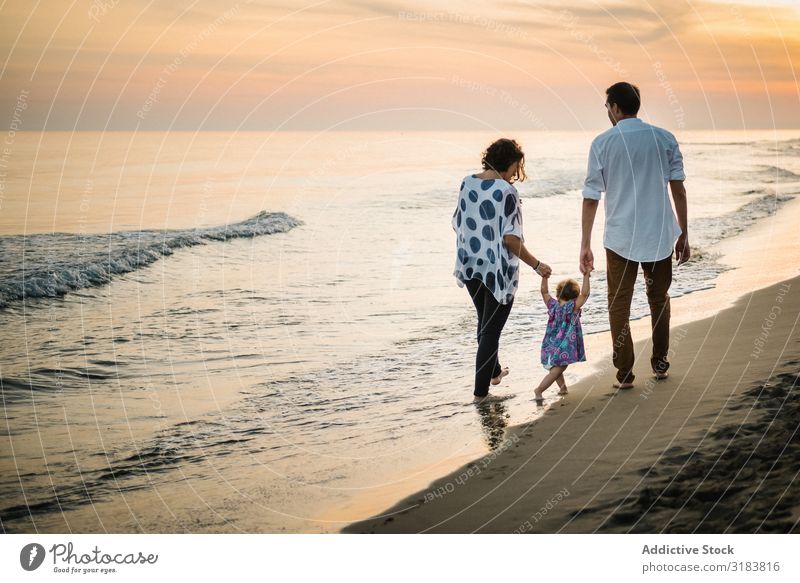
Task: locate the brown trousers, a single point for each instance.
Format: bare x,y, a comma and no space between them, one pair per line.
621,276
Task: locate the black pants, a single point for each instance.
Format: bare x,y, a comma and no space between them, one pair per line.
492,316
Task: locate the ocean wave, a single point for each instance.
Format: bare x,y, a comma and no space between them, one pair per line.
539,186
776,174
741,143
714,229
791,147
54,264
789,143
556,182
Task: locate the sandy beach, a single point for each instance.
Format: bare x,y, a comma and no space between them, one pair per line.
712,449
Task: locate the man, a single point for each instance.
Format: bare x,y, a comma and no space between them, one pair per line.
632,163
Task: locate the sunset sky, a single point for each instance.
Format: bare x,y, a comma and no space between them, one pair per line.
361,64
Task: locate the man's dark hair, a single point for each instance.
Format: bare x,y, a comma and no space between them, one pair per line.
626,96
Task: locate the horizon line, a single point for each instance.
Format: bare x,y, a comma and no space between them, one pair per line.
340,130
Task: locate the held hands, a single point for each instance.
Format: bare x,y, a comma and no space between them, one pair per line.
543,269
587,260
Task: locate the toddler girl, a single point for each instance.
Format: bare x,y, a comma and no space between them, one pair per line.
563,340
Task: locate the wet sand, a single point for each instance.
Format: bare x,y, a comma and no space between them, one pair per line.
712,449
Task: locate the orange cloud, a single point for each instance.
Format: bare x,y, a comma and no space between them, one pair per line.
218,65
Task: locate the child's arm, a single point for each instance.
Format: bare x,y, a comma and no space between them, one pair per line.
545,291
584,295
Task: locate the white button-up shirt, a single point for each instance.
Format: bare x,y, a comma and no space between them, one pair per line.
633,163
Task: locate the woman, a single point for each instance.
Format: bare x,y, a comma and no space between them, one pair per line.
490,245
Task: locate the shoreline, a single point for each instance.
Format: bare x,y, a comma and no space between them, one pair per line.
765,256
575,468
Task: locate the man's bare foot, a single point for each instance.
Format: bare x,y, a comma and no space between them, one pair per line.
503,372
490,398
623,385
660,376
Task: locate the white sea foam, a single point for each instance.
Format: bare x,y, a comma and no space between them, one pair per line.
53,264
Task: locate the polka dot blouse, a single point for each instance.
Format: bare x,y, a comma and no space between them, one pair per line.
487,210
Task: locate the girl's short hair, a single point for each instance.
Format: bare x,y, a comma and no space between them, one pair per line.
501,154
568,290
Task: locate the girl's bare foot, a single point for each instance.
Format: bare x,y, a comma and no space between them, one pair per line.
537,394
503,372
563,392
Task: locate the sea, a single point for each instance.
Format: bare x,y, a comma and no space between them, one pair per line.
243,331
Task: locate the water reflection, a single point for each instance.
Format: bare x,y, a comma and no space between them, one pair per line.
494,420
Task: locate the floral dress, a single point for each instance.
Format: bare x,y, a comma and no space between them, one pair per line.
563,339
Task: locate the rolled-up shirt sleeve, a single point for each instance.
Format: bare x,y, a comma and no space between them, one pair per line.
595,184
676,163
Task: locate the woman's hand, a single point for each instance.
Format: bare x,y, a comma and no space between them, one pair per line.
543,269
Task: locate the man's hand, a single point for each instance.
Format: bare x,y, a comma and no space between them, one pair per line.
588,211
587,260
682,250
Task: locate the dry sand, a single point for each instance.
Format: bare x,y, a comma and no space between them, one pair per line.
714,448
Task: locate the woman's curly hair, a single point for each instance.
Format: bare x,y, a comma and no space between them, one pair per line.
568,290
500,155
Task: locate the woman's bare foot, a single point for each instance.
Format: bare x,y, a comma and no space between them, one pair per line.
490,398
537,394
563,392
503,372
